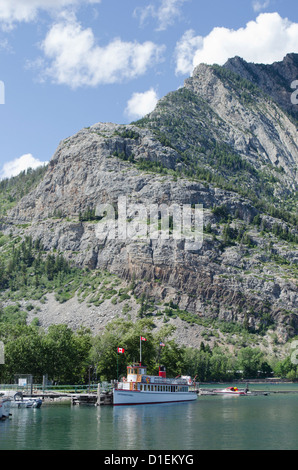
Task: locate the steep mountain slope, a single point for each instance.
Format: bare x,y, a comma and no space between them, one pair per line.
275,80
219,141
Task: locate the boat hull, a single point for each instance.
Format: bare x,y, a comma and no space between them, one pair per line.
228,393
17,400
135,397
5,405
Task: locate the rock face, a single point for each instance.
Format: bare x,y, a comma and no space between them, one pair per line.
241,272
253,125
275,79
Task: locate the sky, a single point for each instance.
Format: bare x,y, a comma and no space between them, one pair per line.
68,64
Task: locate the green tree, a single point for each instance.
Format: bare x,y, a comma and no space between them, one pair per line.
23,351
61,353
286,369
124,334
198,363
67,354
250,361
221,365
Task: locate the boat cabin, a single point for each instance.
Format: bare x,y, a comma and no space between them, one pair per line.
135,372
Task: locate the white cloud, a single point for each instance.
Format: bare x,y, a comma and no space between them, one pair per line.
141,104
74,58
266,40
165,14
185,51
5,46
16,166
13,11
258,6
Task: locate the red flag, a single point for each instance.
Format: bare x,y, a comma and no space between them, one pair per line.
143,339
121,350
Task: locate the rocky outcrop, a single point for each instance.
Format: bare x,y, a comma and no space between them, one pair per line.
252,124
274,79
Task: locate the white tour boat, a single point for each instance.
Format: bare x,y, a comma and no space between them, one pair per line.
139,388
5,403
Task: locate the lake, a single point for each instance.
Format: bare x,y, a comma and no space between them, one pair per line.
210,423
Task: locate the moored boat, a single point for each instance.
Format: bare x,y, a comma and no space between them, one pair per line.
140,388
17,400
5,404
230,391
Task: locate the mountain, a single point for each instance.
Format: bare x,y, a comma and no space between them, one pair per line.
274,80
227,140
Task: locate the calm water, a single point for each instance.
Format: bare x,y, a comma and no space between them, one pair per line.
256,422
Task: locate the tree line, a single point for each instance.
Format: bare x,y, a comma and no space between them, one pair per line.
68,356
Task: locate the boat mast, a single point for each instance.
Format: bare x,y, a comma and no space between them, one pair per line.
140,350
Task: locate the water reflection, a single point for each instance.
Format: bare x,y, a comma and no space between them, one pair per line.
160,426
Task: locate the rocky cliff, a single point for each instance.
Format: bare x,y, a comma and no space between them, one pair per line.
273,79
220,142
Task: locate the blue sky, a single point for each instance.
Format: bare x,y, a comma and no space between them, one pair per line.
68,64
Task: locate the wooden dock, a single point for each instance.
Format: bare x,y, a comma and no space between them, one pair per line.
101,397
104,398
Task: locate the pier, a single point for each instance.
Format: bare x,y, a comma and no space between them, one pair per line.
101,397
98,395
105,398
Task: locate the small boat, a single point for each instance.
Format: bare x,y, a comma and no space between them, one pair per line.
5,404
231,391
139,388
19,401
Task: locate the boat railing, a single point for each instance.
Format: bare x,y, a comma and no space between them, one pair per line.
123,385
163,380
